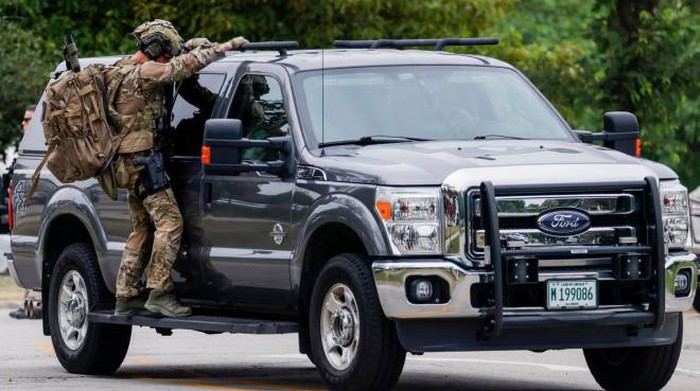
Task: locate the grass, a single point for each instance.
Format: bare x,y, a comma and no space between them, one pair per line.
9,292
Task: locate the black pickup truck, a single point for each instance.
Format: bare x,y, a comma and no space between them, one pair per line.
379,200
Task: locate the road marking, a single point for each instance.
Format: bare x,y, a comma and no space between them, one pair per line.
552,367
144,361
190,383
211,380
45,347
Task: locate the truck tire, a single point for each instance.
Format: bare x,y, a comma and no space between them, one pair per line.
696,301
76,288
351,357
646,368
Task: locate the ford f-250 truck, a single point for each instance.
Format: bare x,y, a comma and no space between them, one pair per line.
379,201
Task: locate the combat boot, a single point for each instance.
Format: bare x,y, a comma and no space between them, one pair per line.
131,306
166,304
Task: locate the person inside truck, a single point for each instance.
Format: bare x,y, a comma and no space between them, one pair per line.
261,115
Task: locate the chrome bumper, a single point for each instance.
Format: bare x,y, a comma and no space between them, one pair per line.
674,263
390,278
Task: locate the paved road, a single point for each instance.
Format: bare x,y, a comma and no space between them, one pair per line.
190,360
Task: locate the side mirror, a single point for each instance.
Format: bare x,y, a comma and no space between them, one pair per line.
218,155
620,132
623,131
223,142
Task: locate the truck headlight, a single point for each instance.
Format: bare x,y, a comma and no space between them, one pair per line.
410,217
675,213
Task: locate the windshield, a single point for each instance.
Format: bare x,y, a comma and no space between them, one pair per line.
429,102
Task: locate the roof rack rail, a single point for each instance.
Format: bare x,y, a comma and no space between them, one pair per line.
438,44
280,46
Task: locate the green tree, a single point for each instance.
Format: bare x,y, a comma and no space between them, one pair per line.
317,24
651,51
549,41
23,76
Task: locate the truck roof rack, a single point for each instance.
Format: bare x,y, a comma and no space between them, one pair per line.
280,46
438,44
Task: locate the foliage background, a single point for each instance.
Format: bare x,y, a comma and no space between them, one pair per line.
587,56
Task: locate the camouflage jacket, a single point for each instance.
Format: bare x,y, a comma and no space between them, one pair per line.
139,102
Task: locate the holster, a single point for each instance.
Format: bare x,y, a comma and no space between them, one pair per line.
153,177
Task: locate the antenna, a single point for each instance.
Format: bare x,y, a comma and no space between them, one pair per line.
323,100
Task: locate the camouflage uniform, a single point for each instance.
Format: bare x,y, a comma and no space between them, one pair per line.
138,105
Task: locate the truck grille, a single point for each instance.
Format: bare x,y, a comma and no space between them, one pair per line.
616,219
617,234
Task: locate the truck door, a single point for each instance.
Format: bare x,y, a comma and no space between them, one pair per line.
246,217
196,100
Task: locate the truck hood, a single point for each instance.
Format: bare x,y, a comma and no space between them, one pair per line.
430,163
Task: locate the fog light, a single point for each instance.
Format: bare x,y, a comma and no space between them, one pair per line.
422,290
427,290
681,283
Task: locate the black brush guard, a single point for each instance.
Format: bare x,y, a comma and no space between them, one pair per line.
496,322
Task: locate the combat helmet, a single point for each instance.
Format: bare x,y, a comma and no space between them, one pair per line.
158,37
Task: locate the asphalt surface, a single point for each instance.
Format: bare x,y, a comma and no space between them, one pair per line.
190,360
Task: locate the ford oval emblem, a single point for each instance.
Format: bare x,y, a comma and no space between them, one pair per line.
564,222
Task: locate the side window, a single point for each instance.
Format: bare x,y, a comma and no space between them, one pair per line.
259,104
193,105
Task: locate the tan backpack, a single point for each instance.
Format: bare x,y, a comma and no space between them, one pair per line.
81,141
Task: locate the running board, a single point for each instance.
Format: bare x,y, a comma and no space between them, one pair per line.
213,324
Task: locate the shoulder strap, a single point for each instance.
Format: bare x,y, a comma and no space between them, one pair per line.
113,86
115,80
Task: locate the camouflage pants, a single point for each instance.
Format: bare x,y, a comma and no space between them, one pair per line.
161,209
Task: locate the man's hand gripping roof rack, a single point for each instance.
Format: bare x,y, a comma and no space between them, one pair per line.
438,44
280,46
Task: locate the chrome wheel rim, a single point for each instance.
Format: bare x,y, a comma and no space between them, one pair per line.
73,310
340,326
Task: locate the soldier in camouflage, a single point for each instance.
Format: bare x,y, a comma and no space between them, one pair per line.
137,108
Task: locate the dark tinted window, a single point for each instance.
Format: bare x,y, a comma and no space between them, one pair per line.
259,104
193,106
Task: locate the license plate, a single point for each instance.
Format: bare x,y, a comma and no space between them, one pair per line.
572,294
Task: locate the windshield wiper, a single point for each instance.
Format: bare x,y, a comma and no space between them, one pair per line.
369,140
502,136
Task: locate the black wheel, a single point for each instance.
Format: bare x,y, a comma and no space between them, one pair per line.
354,346
646,368
76,288
696,302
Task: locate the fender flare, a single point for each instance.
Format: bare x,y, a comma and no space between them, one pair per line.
75,203
343,209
